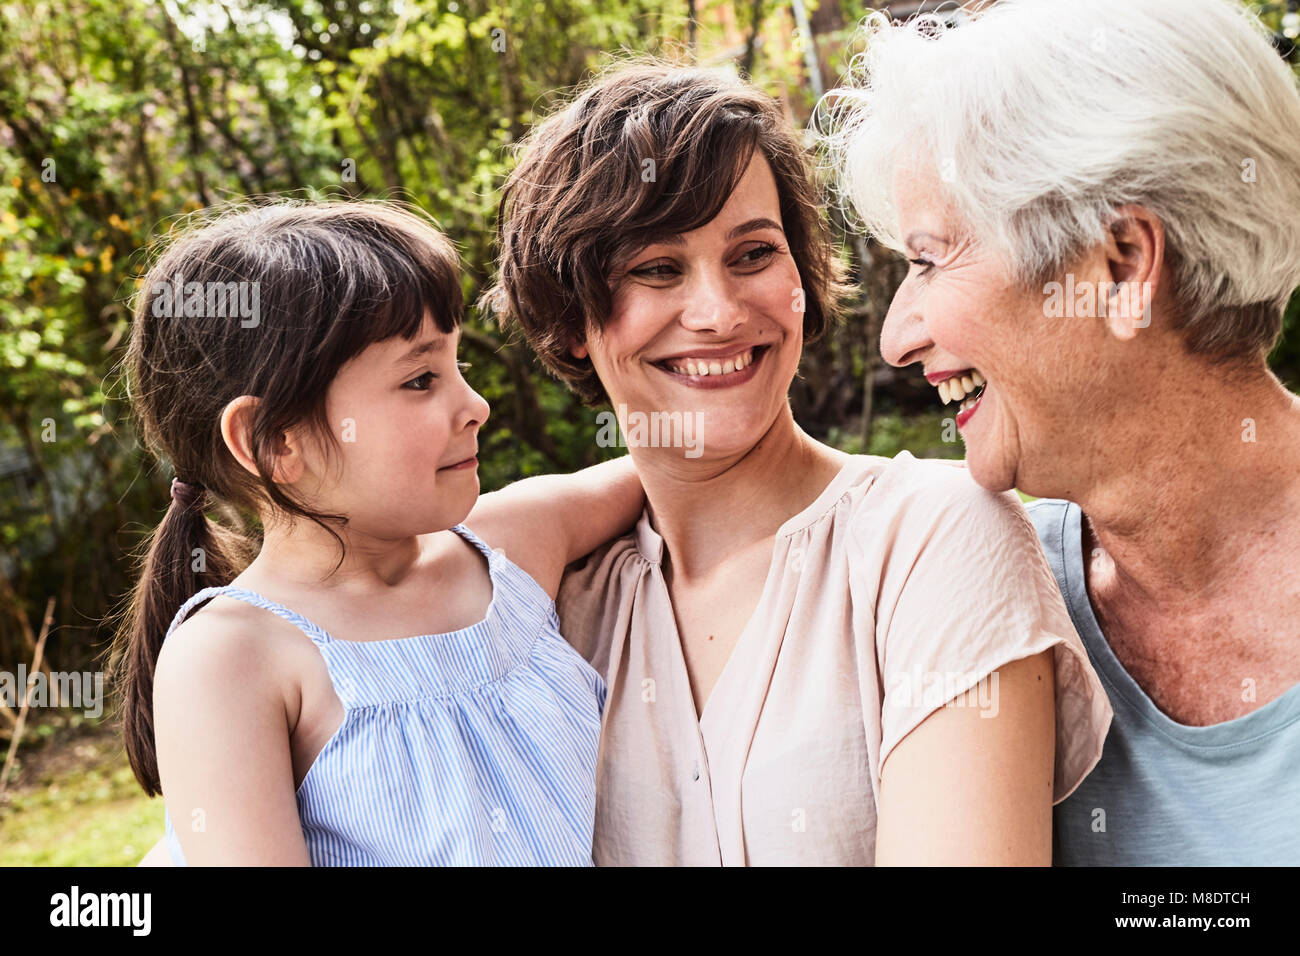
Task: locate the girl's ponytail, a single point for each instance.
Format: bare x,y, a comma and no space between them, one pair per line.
186,553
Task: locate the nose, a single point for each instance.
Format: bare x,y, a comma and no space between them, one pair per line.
904,337
711,305
476,408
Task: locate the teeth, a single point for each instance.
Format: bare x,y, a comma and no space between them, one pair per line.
959,387
714,367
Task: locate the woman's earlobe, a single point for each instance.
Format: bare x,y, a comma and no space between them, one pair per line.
1135,256
579,350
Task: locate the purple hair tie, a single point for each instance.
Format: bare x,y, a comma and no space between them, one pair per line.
186,494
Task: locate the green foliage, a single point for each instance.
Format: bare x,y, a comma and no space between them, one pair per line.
1285,357
923,434
117,119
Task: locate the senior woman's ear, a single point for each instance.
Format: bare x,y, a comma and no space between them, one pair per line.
1135,257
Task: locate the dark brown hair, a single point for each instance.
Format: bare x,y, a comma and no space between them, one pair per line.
330,279
648,150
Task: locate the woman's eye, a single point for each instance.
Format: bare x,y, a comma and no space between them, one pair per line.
758,254
658,270
420,383
925,264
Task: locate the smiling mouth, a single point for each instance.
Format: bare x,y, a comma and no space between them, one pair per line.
714,367
966,388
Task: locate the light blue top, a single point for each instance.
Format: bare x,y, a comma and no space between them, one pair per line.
1164,793
474,747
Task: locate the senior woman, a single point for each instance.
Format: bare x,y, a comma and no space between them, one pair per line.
812,657
1101,202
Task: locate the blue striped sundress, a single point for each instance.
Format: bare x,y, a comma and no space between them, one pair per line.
474,747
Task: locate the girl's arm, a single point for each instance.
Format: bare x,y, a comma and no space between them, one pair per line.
969,789
221,730
546,522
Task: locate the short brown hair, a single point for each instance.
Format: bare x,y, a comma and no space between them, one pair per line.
579,199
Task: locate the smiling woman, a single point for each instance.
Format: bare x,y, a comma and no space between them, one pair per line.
1100,200
630,191
765,628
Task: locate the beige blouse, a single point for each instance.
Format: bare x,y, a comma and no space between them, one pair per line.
895,592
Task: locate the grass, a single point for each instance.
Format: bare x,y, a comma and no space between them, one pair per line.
75,802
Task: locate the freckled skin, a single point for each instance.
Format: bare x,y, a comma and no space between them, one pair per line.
1199,529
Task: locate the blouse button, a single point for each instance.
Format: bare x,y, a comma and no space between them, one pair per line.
695,771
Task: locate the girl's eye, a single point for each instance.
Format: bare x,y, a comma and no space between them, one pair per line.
420,383
758,254
464,366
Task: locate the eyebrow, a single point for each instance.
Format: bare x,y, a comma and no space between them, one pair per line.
910,241
424,348
750,225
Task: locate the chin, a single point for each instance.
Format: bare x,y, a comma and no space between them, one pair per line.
991,474
726,436
456,511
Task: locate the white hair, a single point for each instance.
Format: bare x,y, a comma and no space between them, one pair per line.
1040,117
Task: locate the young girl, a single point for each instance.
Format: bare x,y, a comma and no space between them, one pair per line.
380,685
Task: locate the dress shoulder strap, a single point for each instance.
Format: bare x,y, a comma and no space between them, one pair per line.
317,635
474,539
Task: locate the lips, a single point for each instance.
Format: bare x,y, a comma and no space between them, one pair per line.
463,463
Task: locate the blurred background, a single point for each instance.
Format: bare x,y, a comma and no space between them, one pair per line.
118,117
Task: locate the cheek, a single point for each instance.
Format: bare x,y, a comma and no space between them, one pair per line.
952,325
631,325
422,433
405,437
985,328
778,294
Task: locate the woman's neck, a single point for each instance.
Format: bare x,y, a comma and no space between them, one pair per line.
708,510
1208,474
